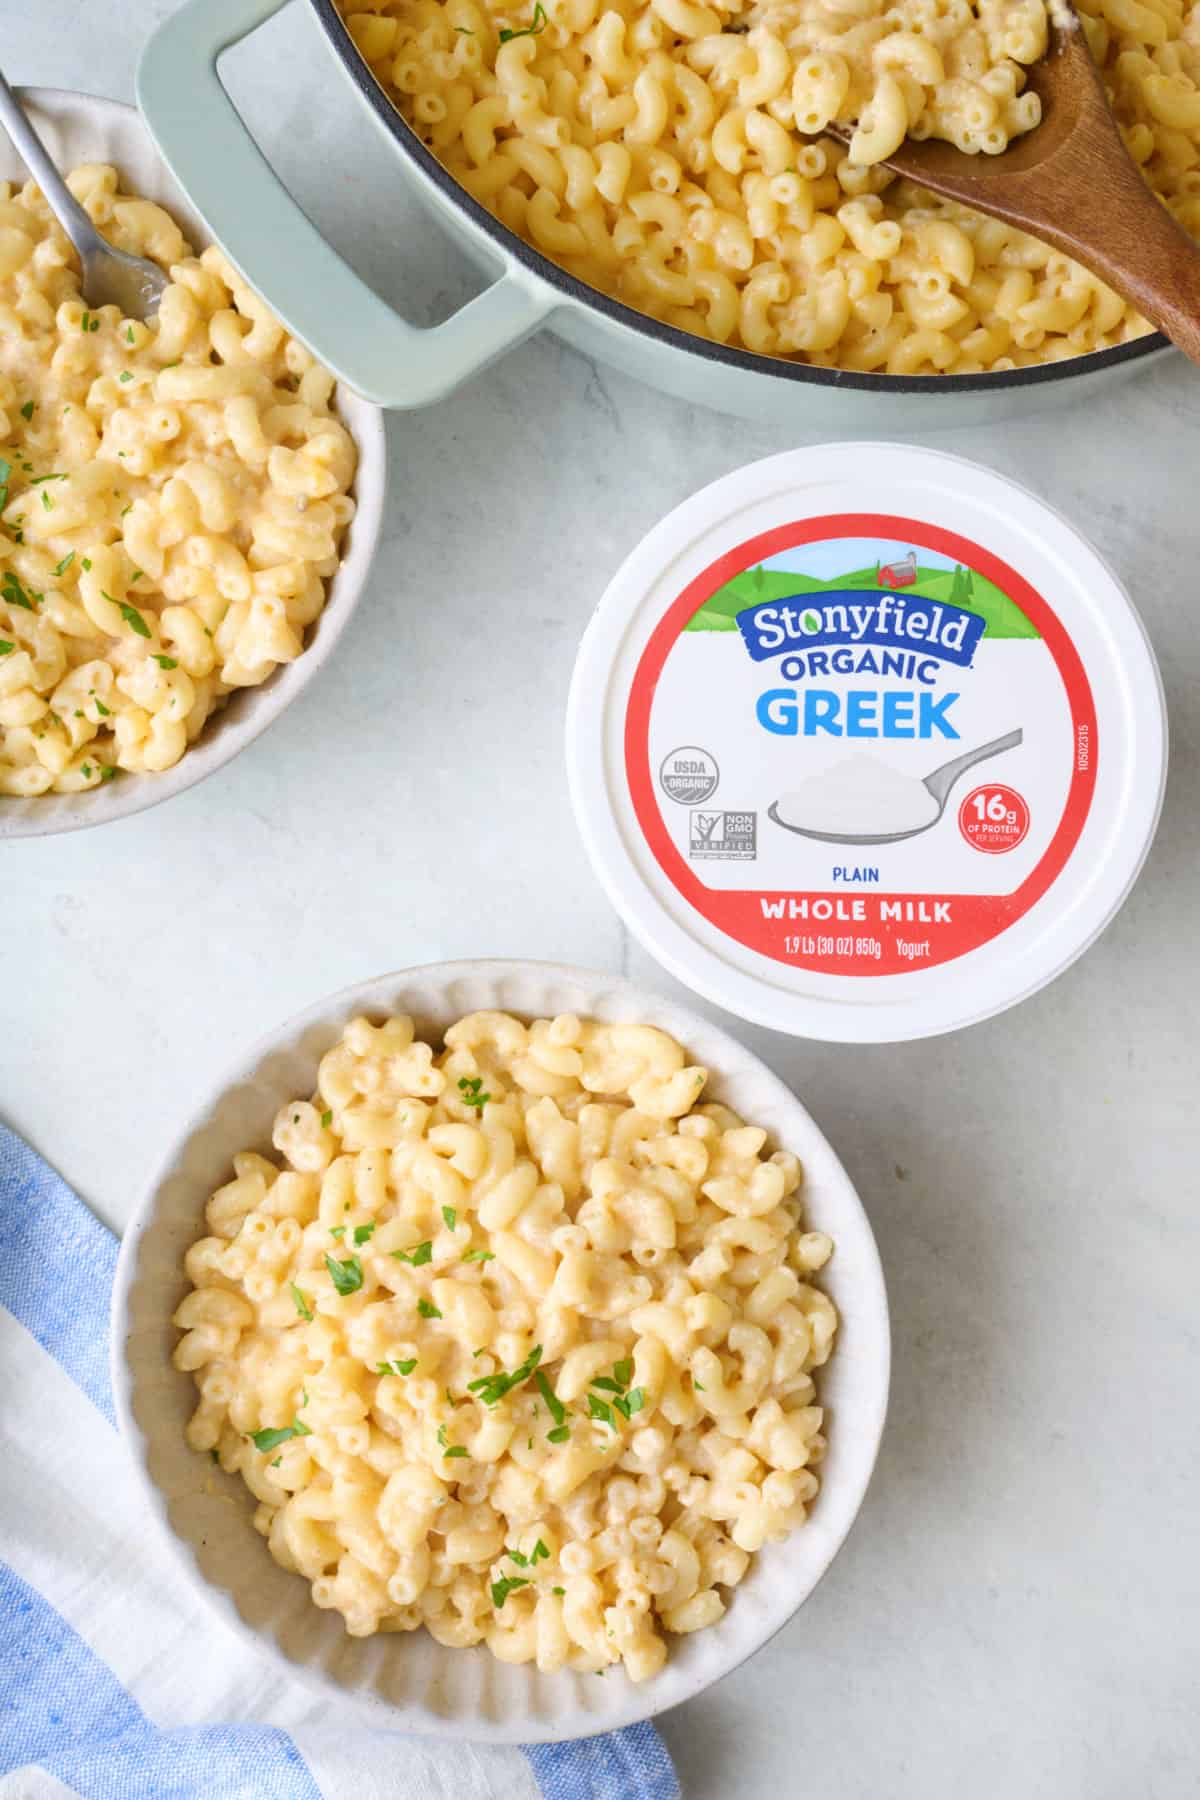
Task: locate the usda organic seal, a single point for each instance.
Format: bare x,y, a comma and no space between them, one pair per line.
689,775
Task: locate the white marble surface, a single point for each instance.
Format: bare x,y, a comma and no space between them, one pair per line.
1018,1610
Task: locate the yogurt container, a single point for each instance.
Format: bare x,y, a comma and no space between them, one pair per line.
866,742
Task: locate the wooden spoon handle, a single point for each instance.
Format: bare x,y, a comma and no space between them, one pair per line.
1128,238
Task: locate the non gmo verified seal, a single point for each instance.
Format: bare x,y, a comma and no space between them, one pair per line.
689,775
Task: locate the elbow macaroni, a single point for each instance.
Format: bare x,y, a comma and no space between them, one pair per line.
670,154
172,498
515,1342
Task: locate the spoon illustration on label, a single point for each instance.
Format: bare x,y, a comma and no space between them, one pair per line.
865,801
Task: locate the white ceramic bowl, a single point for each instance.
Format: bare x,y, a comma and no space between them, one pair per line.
413,1682
79,128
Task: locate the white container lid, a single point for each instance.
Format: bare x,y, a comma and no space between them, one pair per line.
764,718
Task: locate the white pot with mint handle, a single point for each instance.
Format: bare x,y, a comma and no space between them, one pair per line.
375,350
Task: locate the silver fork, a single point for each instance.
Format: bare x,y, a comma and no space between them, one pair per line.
111,277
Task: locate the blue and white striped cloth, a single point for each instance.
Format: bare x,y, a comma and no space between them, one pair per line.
112,1685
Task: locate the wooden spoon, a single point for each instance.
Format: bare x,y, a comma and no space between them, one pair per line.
1071,182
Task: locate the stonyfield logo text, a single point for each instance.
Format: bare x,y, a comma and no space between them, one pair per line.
861,616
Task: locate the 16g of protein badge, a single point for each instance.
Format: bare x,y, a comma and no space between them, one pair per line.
866,742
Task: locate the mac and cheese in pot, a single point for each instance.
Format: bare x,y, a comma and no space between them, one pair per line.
516,1341
670,153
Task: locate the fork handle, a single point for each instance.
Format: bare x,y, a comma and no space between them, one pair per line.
33,153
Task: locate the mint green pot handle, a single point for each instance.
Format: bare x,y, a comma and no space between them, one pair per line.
255,220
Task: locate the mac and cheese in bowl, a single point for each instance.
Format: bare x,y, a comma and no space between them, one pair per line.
515,1341
669,153
172,498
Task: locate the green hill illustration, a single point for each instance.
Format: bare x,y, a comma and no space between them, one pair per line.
957,587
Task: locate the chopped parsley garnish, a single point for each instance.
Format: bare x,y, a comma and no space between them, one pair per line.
539,1553
559,1435
85,324
38,479
12,591
538,26
620,1379
557,1590
337,1231
457,1450
271,1440
137,575
615,1384
129,334
301,1300
493,1388
326,1119
6,649
450,1216
215,1456
27,410
507,1585
397,1368
47,502
87,563
427,1309
108,772
416,1258
87,771
363,1232
165,662
347,1277
125,375
598,1410
480,1256
101,708
64,565
469,1087
130,614
557,1410
277,1462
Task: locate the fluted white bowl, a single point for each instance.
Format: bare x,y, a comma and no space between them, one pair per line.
81,128
413,1682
